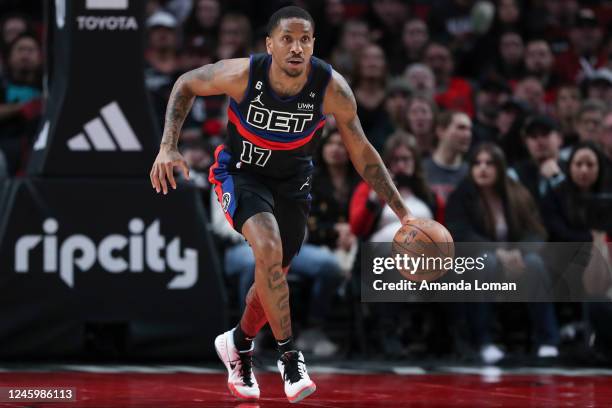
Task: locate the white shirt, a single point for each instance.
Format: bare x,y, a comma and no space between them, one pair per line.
389,224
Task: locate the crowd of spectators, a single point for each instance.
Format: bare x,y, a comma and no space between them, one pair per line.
493,117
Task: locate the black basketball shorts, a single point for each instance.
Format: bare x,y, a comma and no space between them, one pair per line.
244,194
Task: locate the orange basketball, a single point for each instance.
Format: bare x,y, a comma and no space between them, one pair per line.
426,249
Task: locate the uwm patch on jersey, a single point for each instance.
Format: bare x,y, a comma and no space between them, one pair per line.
275,135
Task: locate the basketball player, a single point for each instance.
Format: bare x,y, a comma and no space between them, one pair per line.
263,174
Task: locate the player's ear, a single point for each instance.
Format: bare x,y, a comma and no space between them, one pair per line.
269,45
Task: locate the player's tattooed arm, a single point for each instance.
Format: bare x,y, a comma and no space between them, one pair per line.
222,77
340,101
228,77
179,104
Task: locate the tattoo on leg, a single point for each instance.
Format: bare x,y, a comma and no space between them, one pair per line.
276,278
283,302
270,281
285,324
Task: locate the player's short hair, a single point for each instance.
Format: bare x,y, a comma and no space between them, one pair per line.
288,12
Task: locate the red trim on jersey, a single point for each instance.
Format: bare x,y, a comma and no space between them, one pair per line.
213,180
268,144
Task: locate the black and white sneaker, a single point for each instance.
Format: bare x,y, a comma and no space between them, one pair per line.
240,378
298,384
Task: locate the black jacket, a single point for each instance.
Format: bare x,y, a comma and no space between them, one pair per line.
465,218
326,210
556,216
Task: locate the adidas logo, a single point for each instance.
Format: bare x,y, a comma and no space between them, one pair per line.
99,137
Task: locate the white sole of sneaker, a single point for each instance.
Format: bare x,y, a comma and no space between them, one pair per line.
221,349
303,393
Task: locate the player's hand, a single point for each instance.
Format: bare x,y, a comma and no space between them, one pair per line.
162,172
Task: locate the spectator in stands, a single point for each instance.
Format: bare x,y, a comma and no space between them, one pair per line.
396,101
565,213
420,120
421,80
370,87
333,184
234,37
491,94
11,26
509,124
508,16
540,64
567,105
570,216
161,70
488,206
415,36
585,47
202,25
446,166
386,20
510,63
542,170
20,99
505,38
550,19
452,92
588,123
334,181
329,27
530,91
354,38
598,86
452,22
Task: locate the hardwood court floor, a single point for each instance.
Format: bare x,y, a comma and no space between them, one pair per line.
149,388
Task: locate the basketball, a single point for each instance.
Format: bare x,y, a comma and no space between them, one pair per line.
427,247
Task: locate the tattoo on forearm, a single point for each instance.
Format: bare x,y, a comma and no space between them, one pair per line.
396,204
179,105
378,178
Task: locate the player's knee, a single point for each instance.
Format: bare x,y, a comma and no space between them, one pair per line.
268,249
